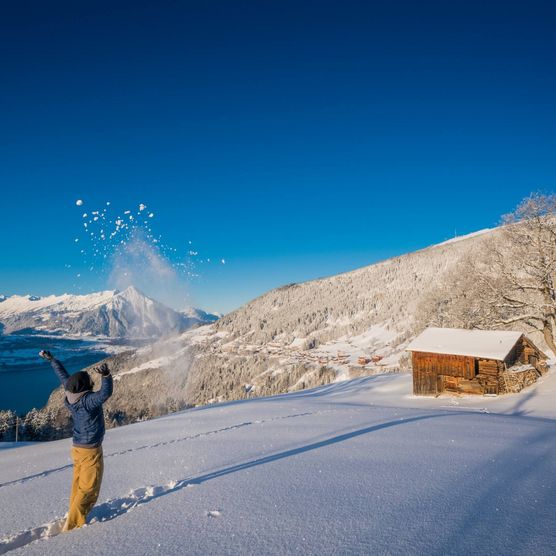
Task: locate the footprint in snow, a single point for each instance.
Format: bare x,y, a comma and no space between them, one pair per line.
213,513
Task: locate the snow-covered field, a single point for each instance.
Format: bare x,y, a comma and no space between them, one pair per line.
356,467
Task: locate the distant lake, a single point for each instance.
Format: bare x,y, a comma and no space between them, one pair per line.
26,380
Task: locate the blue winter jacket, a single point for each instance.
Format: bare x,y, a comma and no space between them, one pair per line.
86,409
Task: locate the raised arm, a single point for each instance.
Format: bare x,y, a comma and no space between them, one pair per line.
59,369
98,398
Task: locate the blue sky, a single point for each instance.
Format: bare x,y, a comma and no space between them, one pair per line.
292,139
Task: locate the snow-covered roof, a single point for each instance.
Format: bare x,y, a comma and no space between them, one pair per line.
487,344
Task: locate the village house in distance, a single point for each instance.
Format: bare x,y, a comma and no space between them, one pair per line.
474,361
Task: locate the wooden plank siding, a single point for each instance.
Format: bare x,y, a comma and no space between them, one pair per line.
428,366
533,356
490,367
434,373
525,352
516,353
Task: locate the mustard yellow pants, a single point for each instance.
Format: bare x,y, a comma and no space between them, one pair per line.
88,466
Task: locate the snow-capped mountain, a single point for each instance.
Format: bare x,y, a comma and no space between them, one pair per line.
126,314
198,315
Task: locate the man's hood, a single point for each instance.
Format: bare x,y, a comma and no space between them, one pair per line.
74,398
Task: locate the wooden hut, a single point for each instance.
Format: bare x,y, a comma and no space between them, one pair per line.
473,361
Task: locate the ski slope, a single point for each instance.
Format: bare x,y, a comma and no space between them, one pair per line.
356,467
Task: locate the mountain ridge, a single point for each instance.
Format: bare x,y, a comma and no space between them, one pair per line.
110,313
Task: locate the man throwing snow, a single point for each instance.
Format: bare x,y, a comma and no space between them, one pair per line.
85,407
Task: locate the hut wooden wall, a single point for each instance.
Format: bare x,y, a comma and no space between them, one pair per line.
489,373
428,366
516,353
527,353
531,353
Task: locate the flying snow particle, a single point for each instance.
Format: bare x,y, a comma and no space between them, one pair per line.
107,203
223,261
76,239
151,214
142,207
127,212
79,275
79,202
85,215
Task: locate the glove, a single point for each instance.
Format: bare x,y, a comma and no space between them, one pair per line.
46,355
102,369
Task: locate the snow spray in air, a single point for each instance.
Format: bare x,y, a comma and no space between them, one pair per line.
122,247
